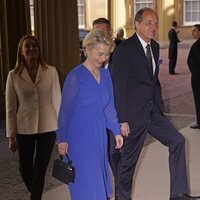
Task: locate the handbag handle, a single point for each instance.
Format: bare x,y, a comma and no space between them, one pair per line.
67,156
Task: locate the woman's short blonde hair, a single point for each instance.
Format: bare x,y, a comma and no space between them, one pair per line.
96,37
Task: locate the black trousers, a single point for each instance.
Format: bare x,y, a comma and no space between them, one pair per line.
195,81
114,156
161,129
172,63
34,154
173,51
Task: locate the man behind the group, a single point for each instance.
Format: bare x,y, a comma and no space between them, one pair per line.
193,62
173,47
113,154
104,25
140,107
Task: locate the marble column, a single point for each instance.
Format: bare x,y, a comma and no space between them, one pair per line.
56,26
13,26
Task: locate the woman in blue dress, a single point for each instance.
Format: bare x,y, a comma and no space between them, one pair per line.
87,110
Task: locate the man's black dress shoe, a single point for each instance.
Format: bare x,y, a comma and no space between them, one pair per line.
184,197
195,126
172,73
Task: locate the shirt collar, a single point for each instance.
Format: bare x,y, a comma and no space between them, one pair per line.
144,44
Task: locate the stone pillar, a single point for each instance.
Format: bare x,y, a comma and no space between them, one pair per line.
56,26
129,26
118,14
12,27
165,10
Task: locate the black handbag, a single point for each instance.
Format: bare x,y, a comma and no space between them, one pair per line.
63,171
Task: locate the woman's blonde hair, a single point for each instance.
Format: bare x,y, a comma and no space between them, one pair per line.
20,60
96,37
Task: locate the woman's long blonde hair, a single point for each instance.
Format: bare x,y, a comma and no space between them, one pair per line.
20,60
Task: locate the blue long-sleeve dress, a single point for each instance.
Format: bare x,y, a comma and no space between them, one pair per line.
87,109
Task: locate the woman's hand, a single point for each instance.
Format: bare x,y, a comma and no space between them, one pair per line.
119,141
125,130
12,145
62,148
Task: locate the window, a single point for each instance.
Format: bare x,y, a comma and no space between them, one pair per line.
142,3
191,12
81,13
32,15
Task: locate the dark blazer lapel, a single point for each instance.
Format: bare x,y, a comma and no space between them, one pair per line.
139,46
155,52
142,56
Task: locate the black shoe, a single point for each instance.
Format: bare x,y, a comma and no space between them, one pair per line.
172,73
195,126
184,197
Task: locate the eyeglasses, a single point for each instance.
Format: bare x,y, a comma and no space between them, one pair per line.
150,23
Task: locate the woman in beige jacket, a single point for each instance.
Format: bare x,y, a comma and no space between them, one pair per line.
32,103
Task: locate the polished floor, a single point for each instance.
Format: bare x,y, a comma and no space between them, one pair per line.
151,180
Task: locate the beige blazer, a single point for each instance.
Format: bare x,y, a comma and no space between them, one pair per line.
32,108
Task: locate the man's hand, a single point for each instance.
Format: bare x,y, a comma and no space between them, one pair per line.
125,130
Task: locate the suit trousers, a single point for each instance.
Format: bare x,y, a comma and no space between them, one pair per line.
161,129
114,156
173,51
34,155
172,63
196,93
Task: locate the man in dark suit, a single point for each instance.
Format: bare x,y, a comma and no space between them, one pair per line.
140,107
173,47
104,25
194,67
113,153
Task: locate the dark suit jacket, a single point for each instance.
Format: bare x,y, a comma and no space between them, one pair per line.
173,43
194,63
194,58
136,93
